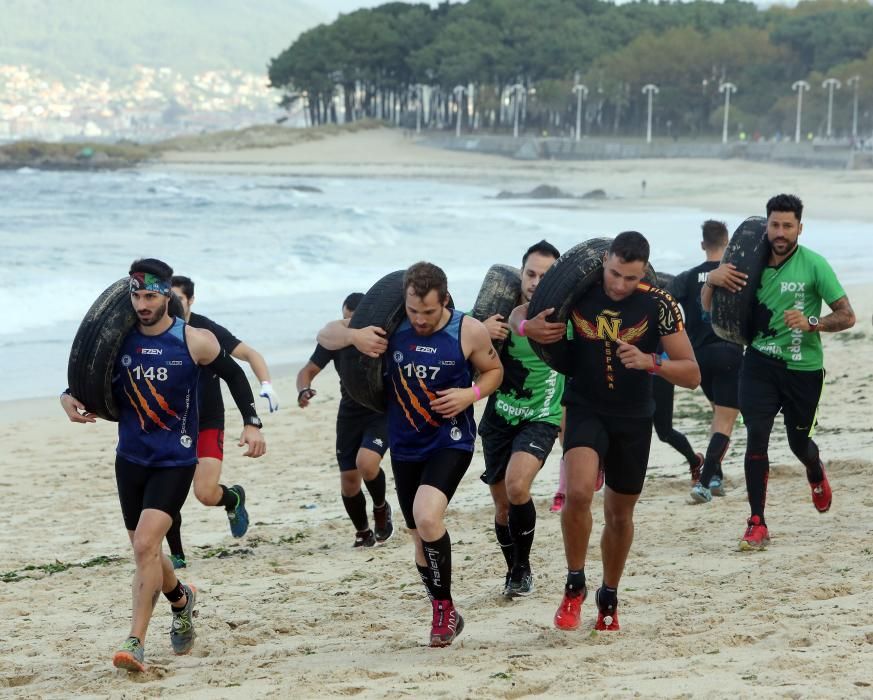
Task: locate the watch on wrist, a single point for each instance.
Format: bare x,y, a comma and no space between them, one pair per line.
255,421
813,323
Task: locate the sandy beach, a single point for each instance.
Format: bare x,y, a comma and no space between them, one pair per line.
291,610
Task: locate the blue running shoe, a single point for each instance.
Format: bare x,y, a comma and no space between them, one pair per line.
239,516
716,487
700,494
178,561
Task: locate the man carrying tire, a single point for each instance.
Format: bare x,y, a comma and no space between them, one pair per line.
617,325
719,361
783,367
155,387
361,442
428,368
518,430
210,442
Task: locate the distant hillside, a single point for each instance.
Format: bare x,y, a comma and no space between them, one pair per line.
105,37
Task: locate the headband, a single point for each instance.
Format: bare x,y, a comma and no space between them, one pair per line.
149,282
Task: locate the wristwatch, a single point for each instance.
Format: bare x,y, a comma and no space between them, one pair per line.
813,323
255,421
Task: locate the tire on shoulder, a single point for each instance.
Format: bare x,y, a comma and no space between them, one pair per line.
733,313
498,294
96,344
561,287
383,305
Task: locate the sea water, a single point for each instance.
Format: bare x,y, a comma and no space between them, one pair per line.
272,263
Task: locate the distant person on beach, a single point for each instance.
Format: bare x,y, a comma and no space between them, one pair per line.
155,387
210,443
719,361
617,327
783,367
361,442
429,363
518,429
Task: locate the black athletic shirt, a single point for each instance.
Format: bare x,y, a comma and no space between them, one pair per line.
348,408
211,403
600,381
686,288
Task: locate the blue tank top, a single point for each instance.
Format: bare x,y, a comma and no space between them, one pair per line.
416,367
155,387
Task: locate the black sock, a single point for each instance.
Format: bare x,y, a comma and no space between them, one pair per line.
176,594
229,499
376,487
356,507
522,523
174,537
575,582
718,445
812,462
439,562
606,598
504,539
757,469
424,575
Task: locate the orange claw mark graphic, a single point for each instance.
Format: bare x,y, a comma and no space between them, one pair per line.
403,405
162,402
144,404
416,404
135,408
427,392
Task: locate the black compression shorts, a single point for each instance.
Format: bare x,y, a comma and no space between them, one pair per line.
720,372
498,445
161,488
443,470
622,444
353,434
766,386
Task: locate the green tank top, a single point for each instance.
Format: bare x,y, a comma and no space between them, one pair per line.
531,391
801,282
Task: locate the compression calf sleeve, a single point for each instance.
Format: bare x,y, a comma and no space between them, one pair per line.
504,539
356,507
376,487
522,523
438,555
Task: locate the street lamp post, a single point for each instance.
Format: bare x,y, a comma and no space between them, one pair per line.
853,81
459,93
649,90
515,90
581,92
800,86
727,89
830,84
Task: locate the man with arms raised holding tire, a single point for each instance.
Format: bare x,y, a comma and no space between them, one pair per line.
155,388
617,324
518,429
210,441
428,369
783,367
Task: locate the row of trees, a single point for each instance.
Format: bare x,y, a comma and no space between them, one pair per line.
374,62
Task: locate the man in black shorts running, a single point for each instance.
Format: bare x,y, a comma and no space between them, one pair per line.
154,386
617,326
210,443
361,441
518,430
783,367
719,361
428,363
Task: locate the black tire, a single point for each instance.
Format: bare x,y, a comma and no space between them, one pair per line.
383,305
733,313
499,294
665,281
564,283
96,345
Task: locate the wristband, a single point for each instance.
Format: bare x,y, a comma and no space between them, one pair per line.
521,327
477,391
710,284
656,363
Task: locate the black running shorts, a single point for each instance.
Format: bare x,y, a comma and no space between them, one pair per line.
353,434
160,488
720,372
499,444
443,470
622,443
